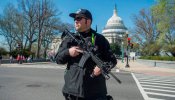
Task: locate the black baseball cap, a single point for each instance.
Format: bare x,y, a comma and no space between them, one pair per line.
84,12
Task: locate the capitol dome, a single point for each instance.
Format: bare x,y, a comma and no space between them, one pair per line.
115,28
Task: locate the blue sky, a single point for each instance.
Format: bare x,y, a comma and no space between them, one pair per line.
101,10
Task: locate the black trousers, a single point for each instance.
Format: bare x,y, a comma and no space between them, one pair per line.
71,97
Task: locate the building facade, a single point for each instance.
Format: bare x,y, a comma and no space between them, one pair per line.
115,28
54,46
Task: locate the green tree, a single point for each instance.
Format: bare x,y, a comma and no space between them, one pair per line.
116,49
164,13
3,51
145,33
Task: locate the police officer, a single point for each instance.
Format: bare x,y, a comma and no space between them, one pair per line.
79,85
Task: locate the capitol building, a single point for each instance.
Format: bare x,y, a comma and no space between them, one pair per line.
114,29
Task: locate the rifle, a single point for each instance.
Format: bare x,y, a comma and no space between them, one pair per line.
89,52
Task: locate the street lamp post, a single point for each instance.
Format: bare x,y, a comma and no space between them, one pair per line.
20,53
128,40
19,57
122,49
127,63
20,42
122,53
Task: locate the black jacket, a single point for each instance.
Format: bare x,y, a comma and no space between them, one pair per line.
77,80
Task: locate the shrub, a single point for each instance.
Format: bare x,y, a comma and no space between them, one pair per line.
3,51
166,58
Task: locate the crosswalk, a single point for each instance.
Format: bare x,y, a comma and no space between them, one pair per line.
155,87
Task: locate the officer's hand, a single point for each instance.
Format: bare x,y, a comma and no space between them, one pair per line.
74,51
97,71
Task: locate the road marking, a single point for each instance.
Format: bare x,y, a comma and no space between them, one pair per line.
158,81
145,96
156,99
156,86
162,84
161,94
160,90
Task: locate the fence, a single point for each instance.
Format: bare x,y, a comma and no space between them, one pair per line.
157,63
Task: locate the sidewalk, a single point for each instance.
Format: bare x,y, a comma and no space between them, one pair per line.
137,67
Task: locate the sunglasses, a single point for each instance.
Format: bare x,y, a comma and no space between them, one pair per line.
79,18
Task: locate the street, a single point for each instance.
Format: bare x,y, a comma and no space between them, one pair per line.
30,84
156,87
45,82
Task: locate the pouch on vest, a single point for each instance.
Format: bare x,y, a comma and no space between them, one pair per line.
74,81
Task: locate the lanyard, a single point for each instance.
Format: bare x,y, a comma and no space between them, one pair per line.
93,39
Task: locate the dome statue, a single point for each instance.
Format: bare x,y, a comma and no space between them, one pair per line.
115,28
